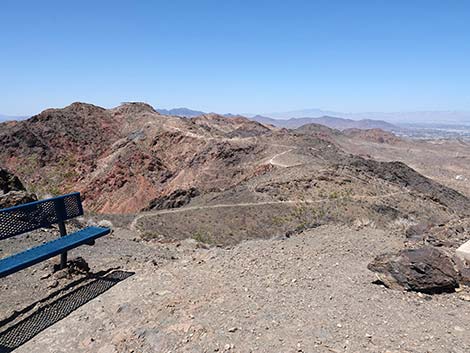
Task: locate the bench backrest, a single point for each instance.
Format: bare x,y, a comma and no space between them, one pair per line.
39,214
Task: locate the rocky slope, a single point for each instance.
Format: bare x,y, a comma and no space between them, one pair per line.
446,161
122,159
131,158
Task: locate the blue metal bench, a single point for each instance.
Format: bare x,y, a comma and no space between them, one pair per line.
34,215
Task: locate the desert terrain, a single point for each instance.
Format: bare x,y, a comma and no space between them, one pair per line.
232,235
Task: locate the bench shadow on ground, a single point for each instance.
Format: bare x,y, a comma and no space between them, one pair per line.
60,307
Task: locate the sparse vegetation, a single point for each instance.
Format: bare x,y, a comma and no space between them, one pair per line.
203,237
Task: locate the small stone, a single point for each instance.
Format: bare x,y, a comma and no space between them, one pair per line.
44,276
105,223
465,297
53,284
232,329
228,347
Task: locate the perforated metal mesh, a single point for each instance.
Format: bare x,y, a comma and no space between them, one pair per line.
24,218
47,315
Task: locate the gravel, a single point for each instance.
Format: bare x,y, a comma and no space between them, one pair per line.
311,292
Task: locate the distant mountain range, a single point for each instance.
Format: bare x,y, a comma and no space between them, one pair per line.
417,117
330,121
9,117
293,123
366,118
184,112
393,117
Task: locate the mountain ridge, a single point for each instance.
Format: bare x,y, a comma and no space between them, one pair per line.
329,121
130,157
184,112
437,116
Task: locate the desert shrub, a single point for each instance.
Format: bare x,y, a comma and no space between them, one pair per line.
202,237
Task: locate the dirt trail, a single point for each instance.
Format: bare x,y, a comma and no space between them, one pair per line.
273,162
133,225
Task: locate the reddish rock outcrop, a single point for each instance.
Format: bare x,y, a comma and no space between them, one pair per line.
123,158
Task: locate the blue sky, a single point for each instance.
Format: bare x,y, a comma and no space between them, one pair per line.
236,56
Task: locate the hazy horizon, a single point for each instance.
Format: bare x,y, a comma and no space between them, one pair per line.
244,56
451,117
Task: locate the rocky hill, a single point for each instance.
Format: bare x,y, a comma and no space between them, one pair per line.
132,158
123,158
373,135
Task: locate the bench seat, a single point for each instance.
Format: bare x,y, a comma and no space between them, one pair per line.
45,251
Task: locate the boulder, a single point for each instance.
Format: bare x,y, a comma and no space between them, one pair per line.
12,191
9,182
427,269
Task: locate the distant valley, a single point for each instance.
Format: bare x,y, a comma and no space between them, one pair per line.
419,117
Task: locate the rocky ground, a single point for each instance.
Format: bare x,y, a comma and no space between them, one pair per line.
310,292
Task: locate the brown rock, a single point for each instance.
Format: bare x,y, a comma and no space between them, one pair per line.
427,270
12,191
